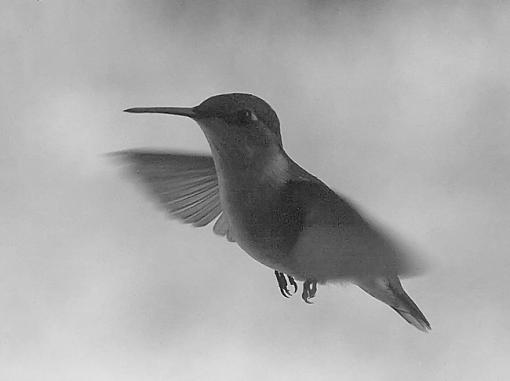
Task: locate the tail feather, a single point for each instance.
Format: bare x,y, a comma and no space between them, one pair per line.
390,291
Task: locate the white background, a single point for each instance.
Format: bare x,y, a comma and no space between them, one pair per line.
402,106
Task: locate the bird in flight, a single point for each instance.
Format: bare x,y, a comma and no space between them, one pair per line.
281,215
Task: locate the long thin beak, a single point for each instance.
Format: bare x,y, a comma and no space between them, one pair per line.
184,111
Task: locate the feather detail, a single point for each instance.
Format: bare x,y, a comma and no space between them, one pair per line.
185,185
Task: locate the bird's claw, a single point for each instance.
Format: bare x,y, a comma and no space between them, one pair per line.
282,283
309,290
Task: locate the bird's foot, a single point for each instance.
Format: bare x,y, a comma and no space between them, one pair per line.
309,290
282,283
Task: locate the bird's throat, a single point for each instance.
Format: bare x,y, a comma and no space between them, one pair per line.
246,169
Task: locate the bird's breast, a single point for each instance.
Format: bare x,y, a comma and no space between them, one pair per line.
251,199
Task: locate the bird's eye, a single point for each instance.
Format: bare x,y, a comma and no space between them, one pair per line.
246,116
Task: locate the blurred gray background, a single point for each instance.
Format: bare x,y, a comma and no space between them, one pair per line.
402,106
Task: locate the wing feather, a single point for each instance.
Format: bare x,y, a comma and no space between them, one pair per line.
222,227
185,185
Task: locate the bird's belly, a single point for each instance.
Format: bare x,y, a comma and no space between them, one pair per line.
258,245
247,197
249,227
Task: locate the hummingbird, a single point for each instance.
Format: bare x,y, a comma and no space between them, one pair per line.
277,212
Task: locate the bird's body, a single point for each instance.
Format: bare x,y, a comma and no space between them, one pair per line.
277,212
249,193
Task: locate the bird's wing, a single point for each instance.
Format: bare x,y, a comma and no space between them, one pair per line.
336,241
186,185
222,227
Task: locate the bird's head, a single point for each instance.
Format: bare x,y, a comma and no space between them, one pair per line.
236,122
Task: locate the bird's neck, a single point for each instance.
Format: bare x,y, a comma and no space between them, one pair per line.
265,167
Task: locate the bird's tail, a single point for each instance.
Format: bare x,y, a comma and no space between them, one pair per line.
390,291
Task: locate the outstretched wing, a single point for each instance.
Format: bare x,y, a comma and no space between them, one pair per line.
185,185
